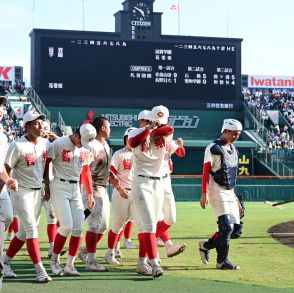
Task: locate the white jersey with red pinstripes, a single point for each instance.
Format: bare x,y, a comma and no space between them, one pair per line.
148,157
121,166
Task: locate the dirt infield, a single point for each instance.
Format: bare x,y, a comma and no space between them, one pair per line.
283,233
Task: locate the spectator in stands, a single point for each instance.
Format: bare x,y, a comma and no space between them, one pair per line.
283,101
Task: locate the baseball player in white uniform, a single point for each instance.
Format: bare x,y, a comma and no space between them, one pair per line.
6,213
143,268
5,202
220,170
98,220
121,166
169,204
10,183
68,155
149,147
50,213
26,157
143,120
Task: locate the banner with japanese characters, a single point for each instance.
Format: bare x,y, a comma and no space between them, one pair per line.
245,162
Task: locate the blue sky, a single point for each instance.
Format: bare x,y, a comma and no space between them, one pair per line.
264,25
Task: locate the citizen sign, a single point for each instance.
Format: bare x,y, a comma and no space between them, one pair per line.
141,23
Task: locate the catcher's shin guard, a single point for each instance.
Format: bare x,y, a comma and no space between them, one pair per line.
222,242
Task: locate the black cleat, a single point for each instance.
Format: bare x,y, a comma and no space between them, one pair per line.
227,265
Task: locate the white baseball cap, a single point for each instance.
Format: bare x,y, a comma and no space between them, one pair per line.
129,130
88,134
145,114
32,116
160,114
232,124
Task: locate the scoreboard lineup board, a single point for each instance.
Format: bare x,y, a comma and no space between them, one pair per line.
189,74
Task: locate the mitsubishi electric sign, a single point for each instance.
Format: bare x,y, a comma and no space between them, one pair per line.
270,82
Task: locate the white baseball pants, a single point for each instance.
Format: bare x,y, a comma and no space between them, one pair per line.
27,205
169,203
148,196
98,220
223,201
122,211
6,208
68,206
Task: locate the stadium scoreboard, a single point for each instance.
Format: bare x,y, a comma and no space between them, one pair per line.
205,72
136,66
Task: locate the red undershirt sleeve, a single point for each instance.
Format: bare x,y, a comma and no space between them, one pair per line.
205,176
113,170
114,183
138,139
163,131
181,152
86,179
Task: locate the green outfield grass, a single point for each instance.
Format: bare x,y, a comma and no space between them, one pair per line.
266,265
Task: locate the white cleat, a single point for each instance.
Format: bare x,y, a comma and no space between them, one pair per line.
110,258
8,272
157,271
71,271
83,255
175,249
129,245
144,269
159,242
56,268
94,266
42,277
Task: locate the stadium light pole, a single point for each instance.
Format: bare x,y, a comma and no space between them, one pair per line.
83,1
179,18
227,25
33,13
